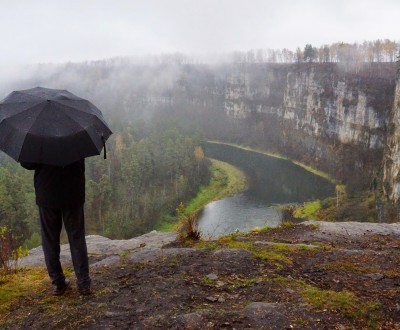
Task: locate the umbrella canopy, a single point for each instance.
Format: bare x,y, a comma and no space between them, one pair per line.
50,126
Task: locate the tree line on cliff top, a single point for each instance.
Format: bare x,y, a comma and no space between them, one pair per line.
369,51
374,51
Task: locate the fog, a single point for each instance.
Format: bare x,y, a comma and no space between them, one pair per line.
99,48
61,31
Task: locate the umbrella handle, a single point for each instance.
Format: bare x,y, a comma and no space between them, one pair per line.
104,145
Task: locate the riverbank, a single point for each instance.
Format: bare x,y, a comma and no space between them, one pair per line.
226,180
279,156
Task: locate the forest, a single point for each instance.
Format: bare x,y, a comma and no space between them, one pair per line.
139,185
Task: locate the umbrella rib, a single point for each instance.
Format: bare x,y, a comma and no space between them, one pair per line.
91,141
29,108
33,122
90,106
84,113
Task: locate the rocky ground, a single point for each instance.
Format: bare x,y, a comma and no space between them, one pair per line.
307,276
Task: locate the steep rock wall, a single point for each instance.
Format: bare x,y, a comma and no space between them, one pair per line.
319,100
344,115
330,117
392,151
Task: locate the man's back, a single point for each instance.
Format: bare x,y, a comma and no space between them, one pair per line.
59,187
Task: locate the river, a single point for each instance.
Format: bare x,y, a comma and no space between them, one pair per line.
272,182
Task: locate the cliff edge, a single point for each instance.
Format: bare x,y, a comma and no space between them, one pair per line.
314,275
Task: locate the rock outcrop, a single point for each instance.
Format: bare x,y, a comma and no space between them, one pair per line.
149,247
107,251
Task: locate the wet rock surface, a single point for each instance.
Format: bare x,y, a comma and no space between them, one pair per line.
100,247
345,282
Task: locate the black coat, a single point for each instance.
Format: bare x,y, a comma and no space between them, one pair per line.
59,187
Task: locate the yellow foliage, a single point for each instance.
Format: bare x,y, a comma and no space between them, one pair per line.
9,252
199,153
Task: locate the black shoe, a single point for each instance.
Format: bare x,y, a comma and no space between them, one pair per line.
59,289
85,291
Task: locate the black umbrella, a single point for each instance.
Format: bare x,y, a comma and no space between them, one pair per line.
50,126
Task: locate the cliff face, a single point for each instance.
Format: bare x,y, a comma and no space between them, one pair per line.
392,151
322,114
337,110
321,101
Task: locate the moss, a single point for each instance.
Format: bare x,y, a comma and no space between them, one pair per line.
283,247
243,283
263,230
346,266
276,258
287,224
239,245
25,282
314,226
233,236
344,302
283,282
300,322
208,281
207,245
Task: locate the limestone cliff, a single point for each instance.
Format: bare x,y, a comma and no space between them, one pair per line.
324,114
320,100
392,151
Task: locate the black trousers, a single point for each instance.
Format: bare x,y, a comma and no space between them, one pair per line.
51,221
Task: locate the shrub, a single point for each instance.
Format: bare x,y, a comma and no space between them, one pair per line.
308,210
10,252
188,225
288,213
33,242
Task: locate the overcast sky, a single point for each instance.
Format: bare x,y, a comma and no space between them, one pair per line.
37,31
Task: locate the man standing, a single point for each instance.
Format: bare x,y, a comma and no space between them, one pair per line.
60,196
